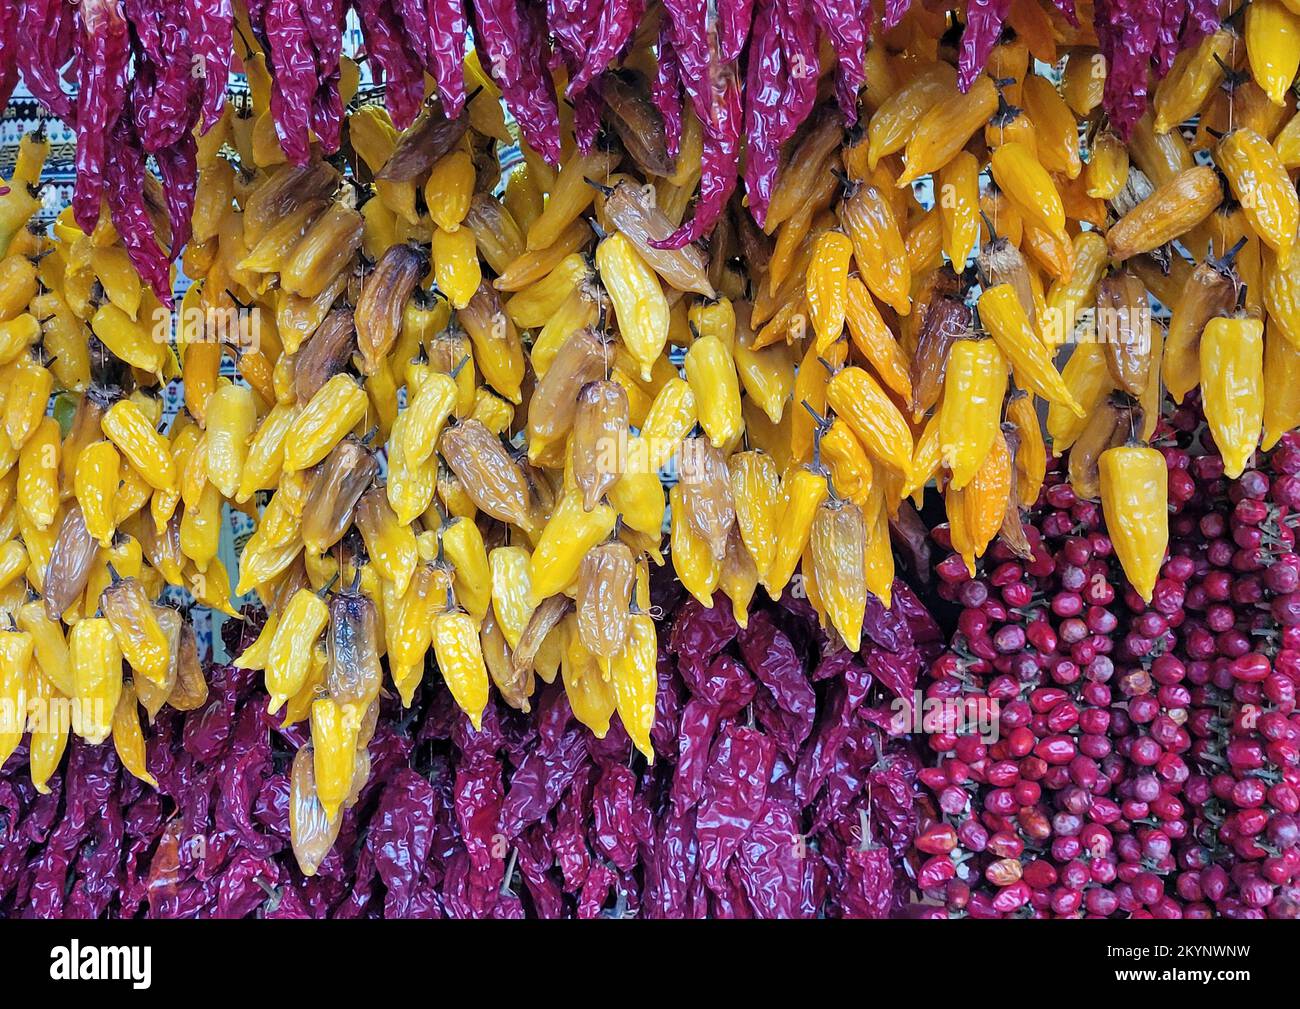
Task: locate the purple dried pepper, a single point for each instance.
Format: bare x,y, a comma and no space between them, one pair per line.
392,61
145,18
538,783
1126,30
327,112
984,20
700,633
819,756
896,672
612,810
720,166
769,864
478,807
324,21
764,99
772,658
675,855
587,108
414,19
498,32
1167,34
165,96
668,705
124,179
212,41
734,791
46,35
8,49
846,28
734,20
595,890
868,888
534,864
893,797
1202,21
572,23
666,92
447,29
568,838
514,40
618,20
178,169
896,10
695,737
101,93
799,38
292,63
726,684
780,92
886,627
920,623
401,835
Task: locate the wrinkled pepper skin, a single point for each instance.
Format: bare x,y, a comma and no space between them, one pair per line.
1171,211
1208,292
1262,187
755,493
604,599
564,541
599,425
838,541
1014,335
312,830
637,298
854,395
711,372
491,478
334,730
139,636
352,672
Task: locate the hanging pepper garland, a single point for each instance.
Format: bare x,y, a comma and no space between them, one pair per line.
745,66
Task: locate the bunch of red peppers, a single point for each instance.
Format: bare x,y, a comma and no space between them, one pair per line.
1146,759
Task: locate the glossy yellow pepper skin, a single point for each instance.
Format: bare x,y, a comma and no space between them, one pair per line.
96,661
972,407
634,677
459,653
1232,387
1134,501
288,660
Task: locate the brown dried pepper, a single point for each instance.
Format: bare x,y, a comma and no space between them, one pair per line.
493,481
600,430
335,486
604,599
382,304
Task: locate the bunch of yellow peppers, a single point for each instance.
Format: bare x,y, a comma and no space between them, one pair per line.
445,392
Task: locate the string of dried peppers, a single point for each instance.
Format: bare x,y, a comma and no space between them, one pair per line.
444,395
